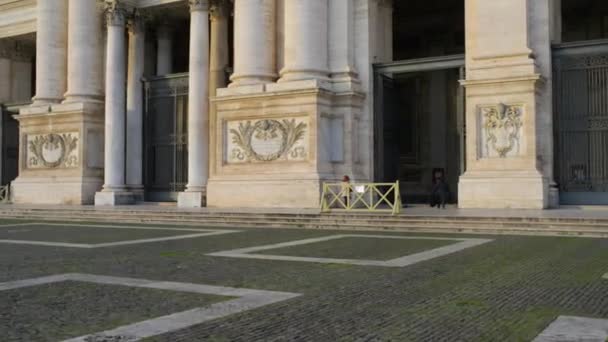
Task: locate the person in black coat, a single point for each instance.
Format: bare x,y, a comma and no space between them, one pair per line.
440,194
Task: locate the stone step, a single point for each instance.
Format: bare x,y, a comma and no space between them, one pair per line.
306,217
318,219
430,226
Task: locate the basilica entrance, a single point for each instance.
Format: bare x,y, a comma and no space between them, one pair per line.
166,137
10,145
419,125
581,122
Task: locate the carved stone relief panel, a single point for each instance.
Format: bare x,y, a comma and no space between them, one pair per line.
52,150
267,140
501,128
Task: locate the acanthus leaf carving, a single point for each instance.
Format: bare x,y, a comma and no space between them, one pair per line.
53,150
268,140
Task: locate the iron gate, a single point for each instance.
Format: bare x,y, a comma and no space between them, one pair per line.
581,123
166,137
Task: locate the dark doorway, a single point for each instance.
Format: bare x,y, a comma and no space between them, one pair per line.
10,146
166,137
420,126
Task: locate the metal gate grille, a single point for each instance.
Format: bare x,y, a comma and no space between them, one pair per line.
581,124
166,137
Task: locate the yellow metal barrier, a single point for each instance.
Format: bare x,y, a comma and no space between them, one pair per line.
5,193
361,197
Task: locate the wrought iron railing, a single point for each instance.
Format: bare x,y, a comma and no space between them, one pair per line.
361,197
5,193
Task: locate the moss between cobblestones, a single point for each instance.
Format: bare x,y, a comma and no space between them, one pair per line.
506,290
360,248
58,311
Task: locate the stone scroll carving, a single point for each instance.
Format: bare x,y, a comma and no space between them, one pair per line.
53,150
501,130
267,140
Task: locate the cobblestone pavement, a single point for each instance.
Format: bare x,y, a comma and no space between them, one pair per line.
509,289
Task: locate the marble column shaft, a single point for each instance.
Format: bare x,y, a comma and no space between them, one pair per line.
115,103
164,53
84,52
51,51
198,98
342,38
219,58
254,42
306,34
135,101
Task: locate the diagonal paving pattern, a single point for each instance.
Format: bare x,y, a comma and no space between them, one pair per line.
459,245
199,233
247,299
571,328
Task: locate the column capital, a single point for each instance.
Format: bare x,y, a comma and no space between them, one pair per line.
116,13
218,9
198,5
136,23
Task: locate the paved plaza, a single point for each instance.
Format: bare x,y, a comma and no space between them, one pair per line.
98,282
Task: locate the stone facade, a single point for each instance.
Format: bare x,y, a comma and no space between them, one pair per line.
297,109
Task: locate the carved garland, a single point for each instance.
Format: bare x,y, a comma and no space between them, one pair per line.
286,130
502,121
66,144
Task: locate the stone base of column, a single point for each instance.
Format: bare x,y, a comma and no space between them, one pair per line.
275,147
61,157
194,199
114,198
504,190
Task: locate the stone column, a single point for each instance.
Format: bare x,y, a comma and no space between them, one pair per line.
114,190
164,53
51,51
306,48
342,38
198,107
84,52
135,114
219,46
254,42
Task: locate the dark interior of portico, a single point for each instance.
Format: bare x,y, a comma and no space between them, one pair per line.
419,101
427,28
584,20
